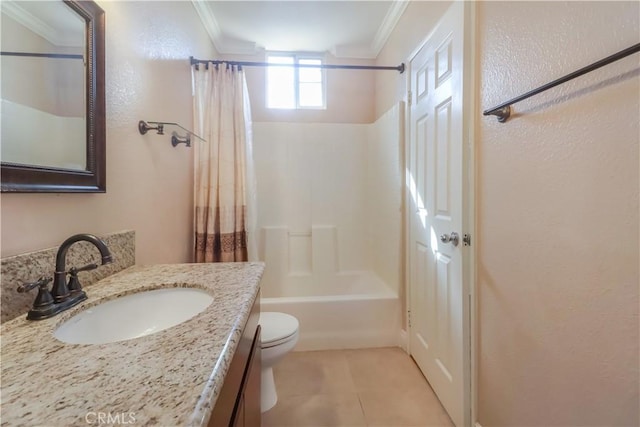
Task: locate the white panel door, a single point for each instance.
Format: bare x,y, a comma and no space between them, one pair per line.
435,209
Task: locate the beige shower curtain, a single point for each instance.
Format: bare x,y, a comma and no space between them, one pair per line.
224,190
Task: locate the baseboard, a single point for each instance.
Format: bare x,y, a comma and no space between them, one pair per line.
403,342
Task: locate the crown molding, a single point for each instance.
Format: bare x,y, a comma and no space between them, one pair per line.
395,11
389,22
208,20
223,45
37,25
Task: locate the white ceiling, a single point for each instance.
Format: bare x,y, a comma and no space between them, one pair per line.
346,28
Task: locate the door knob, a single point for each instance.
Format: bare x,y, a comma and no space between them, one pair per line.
452,238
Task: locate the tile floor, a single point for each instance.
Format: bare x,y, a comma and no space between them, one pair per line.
368,387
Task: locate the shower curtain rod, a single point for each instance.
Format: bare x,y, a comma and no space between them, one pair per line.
400,68
43,55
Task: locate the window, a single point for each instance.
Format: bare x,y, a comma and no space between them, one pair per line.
293,87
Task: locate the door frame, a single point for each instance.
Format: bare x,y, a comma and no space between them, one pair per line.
469,255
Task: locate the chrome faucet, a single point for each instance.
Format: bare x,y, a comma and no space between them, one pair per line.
63,295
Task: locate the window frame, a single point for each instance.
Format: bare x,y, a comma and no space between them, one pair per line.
297,57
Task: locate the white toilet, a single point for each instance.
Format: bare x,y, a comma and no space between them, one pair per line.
279,337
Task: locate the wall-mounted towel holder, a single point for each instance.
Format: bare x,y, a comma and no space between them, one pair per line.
503,111
144,127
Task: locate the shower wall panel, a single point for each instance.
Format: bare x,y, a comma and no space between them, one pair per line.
312,184
329,202
384,195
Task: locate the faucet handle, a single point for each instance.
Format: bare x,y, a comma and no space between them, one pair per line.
73,271
43,300
41,282
74,283
44,304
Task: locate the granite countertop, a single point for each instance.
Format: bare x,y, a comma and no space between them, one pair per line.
170,378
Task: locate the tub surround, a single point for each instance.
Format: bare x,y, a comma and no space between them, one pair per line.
332,241
313,225
352,310
30,266
172,377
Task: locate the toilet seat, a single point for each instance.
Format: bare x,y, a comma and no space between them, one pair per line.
277,328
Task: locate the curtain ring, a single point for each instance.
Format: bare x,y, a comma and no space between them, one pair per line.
206,66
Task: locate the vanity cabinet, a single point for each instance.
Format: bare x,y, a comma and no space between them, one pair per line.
238,404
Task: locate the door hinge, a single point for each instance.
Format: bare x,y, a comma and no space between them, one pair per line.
409,97
409,317
466,239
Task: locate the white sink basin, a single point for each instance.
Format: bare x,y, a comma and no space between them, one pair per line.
133,316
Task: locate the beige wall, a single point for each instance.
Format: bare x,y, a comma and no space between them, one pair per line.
148,181
558,217
557,210
350,94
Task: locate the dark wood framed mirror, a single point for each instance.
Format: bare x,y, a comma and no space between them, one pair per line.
53,97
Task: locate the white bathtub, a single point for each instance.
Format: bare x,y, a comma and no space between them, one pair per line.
349,310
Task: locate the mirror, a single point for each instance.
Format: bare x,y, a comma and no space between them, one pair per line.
53,100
